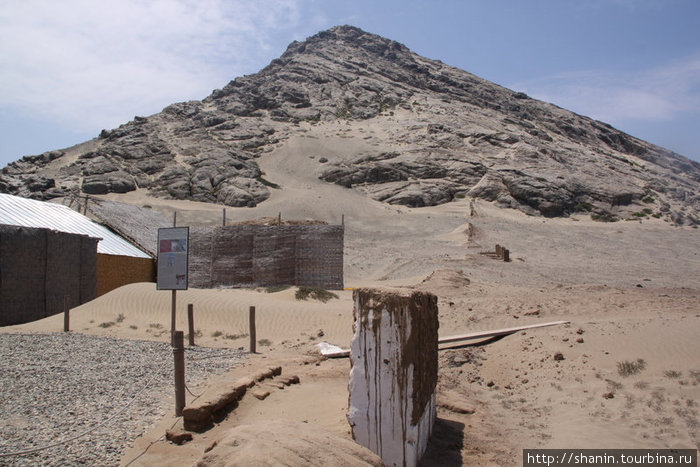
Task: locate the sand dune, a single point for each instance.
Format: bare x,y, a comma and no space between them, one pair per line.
221,316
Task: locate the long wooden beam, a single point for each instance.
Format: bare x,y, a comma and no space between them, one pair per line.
340,353
496,332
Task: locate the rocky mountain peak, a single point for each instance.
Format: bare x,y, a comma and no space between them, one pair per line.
438,133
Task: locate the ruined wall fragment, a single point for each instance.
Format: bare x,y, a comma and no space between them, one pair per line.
394,373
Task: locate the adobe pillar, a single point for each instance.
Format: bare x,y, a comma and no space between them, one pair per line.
394,373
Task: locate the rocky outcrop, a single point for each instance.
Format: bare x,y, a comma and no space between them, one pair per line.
443,133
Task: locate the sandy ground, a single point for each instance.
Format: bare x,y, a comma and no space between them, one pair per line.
630,291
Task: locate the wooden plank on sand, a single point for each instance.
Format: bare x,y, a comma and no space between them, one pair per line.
335,353
496,332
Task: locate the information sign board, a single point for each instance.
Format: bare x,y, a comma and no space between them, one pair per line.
173,244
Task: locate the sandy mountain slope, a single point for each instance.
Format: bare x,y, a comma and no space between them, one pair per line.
429,133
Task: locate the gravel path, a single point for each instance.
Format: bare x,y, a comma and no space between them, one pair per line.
57,386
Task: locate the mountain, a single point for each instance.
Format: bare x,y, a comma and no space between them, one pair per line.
426,133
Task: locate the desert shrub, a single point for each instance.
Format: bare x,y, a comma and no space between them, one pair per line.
583,206
217,334
264,342
304,293
604,217
276,288
120,318
235,336
641,385
673,374
107,324
613,385
628,368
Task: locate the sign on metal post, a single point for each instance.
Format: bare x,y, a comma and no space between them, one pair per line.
173,244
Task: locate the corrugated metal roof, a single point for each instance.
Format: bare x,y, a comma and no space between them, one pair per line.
30,213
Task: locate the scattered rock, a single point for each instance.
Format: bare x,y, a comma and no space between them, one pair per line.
608,395
457,408
289,380
260,394
558,356
178,437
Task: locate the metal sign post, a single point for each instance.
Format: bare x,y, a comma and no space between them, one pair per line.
173,247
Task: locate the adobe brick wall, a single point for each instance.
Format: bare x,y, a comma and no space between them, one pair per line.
114,271
266,255
39,267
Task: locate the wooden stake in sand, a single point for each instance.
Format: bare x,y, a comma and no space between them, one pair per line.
190,322
251,321
179,358
66,314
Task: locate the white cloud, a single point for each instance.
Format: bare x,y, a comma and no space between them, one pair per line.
661,93
88,63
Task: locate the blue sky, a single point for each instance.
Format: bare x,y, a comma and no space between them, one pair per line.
70,68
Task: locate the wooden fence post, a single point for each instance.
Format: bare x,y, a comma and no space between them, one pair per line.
251,321
179,358
190,322
66,314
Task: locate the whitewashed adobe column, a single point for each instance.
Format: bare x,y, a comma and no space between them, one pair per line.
394,373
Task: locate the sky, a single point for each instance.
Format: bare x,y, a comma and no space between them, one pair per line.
70,68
